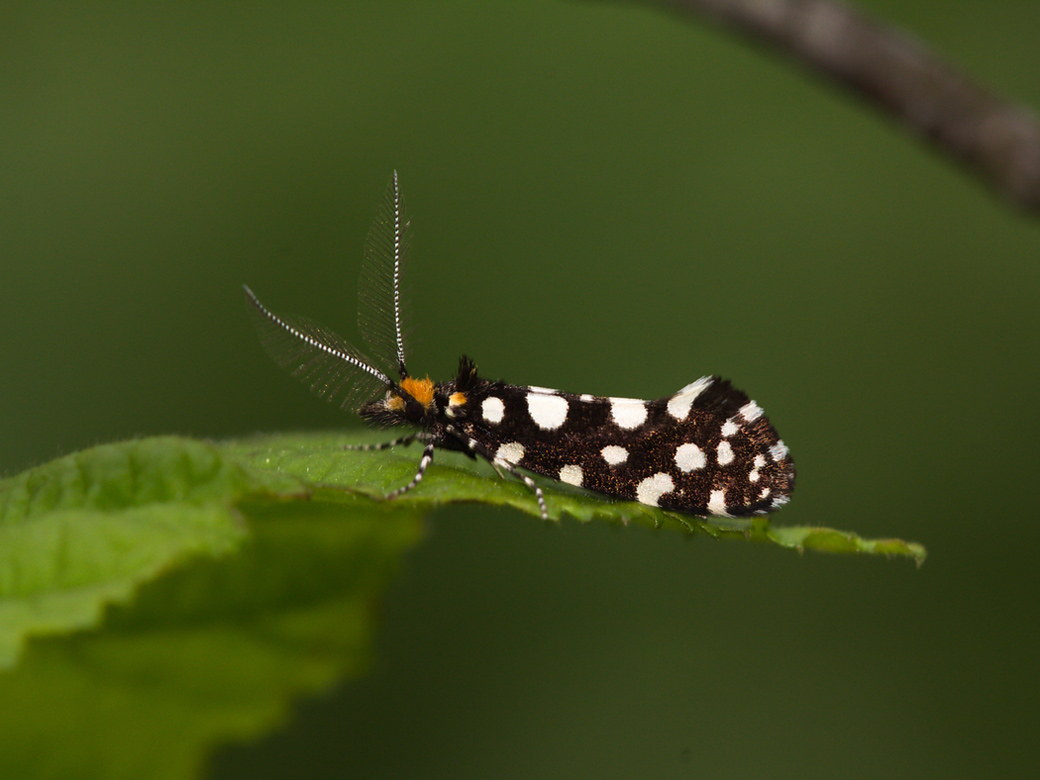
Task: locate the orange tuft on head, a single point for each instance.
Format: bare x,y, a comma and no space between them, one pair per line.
419,389
457,399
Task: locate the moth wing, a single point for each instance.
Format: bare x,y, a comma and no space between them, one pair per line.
327,363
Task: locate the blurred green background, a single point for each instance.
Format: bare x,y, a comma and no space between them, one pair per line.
605,200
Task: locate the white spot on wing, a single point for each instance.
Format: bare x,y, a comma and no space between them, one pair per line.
753,475
493,409
650,490
778,451
537,389
628,413
680,403
760,461
548,411
614,454
729,428
717,503
725,453
689,457
511,452
571,474
586,397
750,411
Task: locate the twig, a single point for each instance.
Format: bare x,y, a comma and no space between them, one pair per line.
997,139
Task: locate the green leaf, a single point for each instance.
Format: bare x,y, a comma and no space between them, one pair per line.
190,591
215,651
321,460
84,530
199,598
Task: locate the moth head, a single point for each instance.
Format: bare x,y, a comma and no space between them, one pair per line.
409,402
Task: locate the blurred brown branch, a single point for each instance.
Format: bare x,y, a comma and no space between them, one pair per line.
997,139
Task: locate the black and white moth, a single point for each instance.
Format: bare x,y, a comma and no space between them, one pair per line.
706,450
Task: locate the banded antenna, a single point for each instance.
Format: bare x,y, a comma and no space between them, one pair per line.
380,318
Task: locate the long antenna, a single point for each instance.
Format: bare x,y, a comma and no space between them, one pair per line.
330,364
399,249
381,300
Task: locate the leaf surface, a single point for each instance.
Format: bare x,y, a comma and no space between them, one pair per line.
191,591
321,460
162,597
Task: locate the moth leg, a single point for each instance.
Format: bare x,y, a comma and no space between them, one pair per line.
382,445
497,465
527,481
425,461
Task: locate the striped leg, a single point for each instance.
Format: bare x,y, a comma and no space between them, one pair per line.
527,481
427,457
475,446
383,445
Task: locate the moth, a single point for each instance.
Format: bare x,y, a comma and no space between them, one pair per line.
705,450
